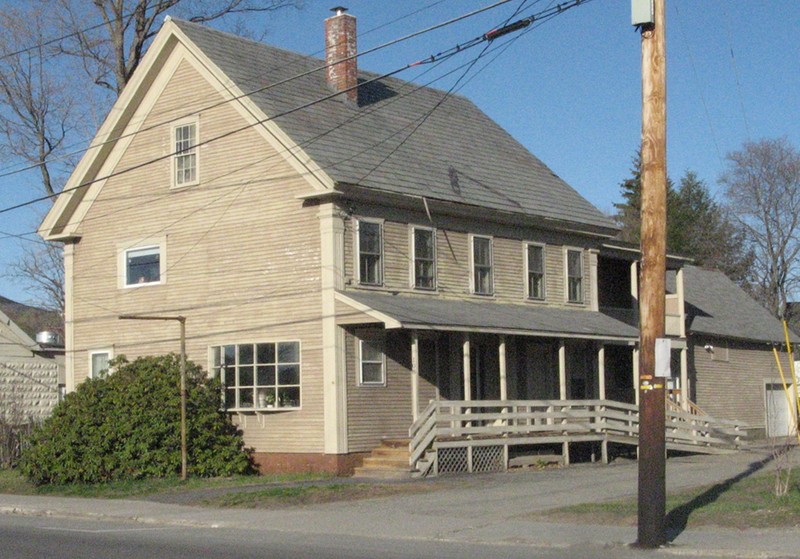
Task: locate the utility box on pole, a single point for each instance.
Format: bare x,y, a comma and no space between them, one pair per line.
642,12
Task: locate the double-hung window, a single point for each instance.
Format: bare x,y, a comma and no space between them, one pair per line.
424,249
534,259
370,252
574,276
99,363
258,376
482,281
371,362
185,154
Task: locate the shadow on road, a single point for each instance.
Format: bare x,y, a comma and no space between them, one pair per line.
678,517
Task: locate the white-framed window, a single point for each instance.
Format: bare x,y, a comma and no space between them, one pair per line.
99,362
423,247
371,362
143,265
185,168
534,271
482,275
258,376
574,273
369,249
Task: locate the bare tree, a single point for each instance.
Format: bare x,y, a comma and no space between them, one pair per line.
36,105
41,269
763,193
111,53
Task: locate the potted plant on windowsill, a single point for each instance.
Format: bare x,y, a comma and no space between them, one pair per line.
266,399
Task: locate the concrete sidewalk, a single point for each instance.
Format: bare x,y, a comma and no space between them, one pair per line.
490,508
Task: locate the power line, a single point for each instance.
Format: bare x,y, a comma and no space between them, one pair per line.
270,86
428,60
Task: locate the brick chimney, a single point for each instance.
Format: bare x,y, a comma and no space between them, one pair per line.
340,44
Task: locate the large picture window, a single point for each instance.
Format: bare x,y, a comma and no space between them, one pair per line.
185,154
424,258
370,251
575,276
260,376
534,259
482,282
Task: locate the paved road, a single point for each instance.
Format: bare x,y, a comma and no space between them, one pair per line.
465,512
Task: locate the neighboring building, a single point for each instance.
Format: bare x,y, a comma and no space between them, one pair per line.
733,373
340,260
31,373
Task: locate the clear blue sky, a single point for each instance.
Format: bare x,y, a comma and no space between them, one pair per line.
570,90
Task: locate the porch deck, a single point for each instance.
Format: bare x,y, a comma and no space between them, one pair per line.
471,436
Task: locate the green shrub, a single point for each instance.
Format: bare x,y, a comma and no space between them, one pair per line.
127,426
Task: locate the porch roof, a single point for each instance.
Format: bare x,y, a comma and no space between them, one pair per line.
437,313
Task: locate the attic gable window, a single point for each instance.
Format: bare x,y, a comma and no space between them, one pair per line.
370,252
184,152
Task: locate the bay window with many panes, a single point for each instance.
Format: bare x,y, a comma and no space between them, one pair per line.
258,376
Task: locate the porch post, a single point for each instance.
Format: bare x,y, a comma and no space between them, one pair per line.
601,370
562,370
636,374
466,369
685,379
414,374
503,373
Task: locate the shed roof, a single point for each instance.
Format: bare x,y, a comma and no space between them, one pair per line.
437,313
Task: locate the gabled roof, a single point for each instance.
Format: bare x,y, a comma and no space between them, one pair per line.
457,155
29,320
716,306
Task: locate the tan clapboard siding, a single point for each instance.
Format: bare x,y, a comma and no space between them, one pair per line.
509,275
452,262
242,258
734,389
396,251
375,412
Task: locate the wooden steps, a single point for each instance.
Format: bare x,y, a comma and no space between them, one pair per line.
388,461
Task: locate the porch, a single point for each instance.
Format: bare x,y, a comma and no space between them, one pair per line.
491,435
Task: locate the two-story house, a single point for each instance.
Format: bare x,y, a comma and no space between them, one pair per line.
345,248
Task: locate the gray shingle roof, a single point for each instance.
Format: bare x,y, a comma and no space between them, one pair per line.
716,306
439,313
457,155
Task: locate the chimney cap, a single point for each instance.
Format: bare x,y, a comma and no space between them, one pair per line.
339,10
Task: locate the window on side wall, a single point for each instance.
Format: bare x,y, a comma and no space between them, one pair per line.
575,276
184,158
99,363
534,259
482,280
424,250
370,252
258,376
371,362
142,265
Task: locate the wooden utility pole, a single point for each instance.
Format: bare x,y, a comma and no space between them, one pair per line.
652,295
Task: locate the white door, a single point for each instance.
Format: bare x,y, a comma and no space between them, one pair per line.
779,416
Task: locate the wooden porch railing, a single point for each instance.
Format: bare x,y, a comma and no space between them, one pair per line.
470,433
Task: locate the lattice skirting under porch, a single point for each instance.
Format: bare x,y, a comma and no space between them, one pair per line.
471,459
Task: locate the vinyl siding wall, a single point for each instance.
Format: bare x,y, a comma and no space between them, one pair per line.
240,250
733,388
